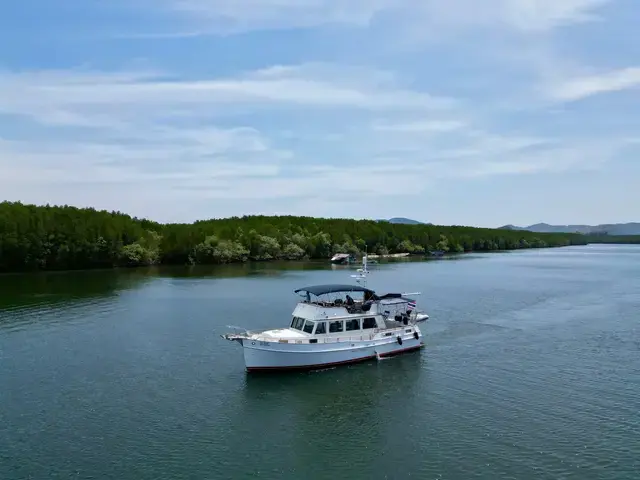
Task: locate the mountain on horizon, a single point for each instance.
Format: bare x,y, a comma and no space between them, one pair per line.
632,228
407,221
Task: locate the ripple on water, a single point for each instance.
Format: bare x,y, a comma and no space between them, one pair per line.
43,314
530,371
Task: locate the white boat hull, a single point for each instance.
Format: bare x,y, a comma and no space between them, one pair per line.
265,356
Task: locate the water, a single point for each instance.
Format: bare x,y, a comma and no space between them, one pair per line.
532,370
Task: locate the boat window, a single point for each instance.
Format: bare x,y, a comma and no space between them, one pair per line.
336,326
297,323
321,327
353,324
308,326
369,322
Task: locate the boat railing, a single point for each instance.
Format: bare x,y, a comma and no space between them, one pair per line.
358,338
375,334
244,332
359,315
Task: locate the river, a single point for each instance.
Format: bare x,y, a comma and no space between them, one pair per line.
531,371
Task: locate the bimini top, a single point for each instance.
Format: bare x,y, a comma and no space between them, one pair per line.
323,289
395,300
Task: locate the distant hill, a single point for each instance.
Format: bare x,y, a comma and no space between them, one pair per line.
404,220
604,229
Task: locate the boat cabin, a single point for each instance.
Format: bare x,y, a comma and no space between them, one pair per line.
336,309
322,327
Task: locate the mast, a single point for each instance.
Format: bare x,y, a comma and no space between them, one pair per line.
361,277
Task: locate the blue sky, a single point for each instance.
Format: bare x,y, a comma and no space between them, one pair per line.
447,111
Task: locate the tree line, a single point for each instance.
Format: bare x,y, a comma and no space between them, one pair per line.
65,237
613,239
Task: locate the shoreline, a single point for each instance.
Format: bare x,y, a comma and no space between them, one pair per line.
324,262
60,238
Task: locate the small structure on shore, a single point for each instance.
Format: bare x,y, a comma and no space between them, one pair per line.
390,255
343,258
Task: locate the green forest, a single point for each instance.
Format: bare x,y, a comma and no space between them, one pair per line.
65,238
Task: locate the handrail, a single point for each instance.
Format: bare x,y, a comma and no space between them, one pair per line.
346,339
334,339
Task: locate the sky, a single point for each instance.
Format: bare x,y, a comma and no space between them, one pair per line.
461,112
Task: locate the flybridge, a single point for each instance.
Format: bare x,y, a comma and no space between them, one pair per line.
369,295
333,288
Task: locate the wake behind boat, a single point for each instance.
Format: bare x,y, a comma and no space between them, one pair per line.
330,327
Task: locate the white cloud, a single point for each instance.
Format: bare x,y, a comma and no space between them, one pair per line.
95,99
537,15
278,13
163,145
79,162
477,93
426,126
132,137
219,16
117,133
571,156
586,86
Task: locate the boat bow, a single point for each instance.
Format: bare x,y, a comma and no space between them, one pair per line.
239,334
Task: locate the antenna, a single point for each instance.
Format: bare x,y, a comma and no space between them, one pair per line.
361,277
